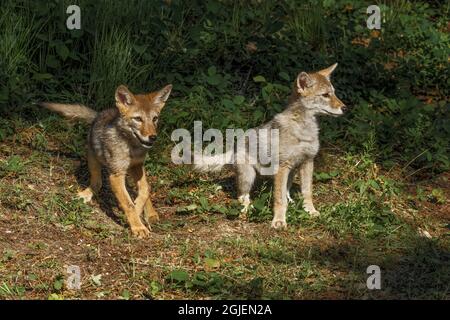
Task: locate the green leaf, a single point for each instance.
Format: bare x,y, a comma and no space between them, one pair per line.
214,79
328,3
55,296
219,208
259,203
213,7
259,79
200,279
125,294
42,76
284,76
140,49
204,203
238,100
211,264
179,276
212,71
155,287
258,115
228,103
58,284
334,173
374,184
324,176
62,51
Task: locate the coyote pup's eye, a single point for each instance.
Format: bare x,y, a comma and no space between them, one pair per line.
326,95
155,119
137,119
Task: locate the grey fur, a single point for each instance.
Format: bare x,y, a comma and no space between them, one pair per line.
313,95
113,144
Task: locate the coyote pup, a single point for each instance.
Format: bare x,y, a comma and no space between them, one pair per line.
119,139
312,95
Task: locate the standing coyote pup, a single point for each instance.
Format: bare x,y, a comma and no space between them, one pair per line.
298,131
119,139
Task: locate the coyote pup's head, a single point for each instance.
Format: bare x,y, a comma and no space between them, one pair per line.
316,92
139,113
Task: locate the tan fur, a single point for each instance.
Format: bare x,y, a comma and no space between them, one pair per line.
71,111
119,139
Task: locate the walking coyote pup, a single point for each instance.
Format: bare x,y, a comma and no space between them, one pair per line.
119,140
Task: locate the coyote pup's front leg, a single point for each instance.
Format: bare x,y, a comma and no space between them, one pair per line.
143,201
306,175
280,201
118,186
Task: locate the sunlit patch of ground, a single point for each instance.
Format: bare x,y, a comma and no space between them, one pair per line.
206,253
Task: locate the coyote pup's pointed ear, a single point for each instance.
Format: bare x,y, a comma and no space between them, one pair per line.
161,96
124,98
303,82
328,71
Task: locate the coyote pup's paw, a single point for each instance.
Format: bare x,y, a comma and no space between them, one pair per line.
314,213
150,214
308,207
151,218
245,201
140,232
279,224
86,195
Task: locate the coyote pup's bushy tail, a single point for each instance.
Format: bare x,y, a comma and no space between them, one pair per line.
71,111
214,162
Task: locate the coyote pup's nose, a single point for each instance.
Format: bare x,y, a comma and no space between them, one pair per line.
151,139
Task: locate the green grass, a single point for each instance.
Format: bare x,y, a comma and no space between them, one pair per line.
379,179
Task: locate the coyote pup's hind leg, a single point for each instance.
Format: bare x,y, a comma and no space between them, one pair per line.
246,175
95,179
143,199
